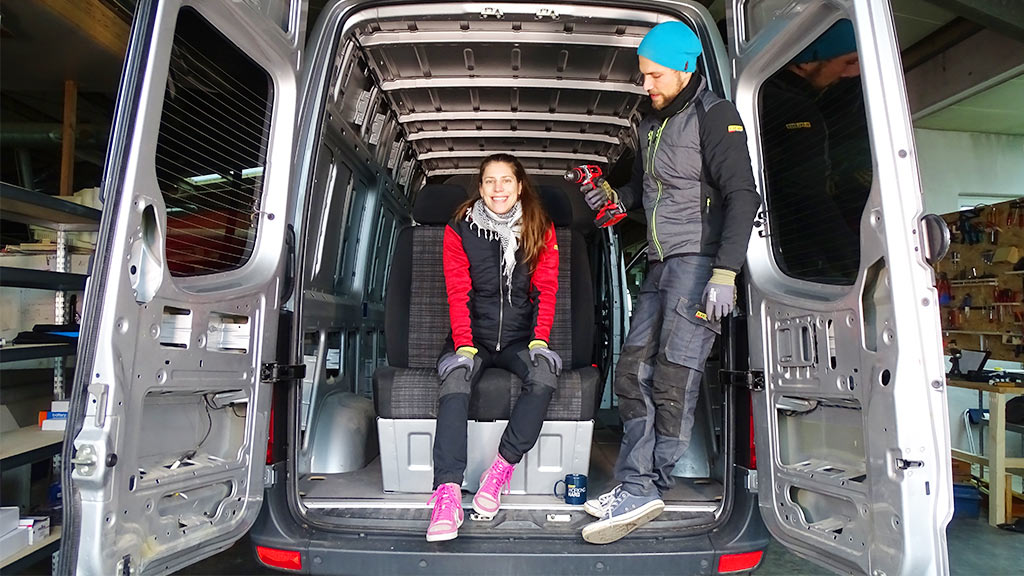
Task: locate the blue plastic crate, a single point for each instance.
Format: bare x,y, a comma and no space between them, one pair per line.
966,501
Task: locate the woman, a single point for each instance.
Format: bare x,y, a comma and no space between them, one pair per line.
501,275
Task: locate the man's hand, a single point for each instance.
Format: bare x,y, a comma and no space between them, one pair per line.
539,349
463,358
720,294
598,195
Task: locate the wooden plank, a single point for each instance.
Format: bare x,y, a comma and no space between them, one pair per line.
67,144
997,458
27,439
96,21
996,388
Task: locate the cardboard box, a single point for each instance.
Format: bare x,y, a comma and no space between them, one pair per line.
38,528
9,519
13,541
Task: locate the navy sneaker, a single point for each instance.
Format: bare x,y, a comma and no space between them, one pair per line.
623,515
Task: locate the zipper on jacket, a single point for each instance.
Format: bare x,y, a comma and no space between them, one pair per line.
654,213
501,311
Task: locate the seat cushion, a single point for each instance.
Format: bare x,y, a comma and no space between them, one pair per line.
412,393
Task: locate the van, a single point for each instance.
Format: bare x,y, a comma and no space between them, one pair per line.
263,314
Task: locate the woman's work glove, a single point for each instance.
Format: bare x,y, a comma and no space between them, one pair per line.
539,349
463,358
600,194
720,294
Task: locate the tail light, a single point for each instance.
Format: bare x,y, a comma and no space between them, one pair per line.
753,449
283,559
270,436
739,562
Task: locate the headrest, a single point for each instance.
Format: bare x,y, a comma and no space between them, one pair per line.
557,204
436,203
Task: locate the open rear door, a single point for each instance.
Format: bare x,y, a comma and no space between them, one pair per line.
180,332
851,423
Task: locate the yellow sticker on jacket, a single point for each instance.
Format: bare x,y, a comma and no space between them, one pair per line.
701,315
797,125
735,128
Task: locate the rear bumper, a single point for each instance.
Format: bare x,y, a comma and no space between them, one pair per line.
327,552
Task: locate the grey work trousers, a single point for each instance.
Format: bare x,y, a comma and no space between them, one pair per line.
658,377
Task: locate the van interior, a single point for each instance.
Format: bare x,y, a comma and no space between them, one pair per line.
424,99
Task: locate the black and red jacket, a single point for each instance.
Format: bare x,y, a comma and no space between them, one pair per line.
482,314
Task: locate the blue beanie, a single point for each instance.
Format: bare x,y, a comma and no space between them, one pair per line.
836,41
673,45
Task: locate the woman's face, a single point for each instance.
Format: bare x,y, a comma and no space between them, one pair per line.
499,187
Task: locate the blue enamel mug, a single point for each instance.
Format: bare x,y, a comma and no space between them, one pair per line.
575,489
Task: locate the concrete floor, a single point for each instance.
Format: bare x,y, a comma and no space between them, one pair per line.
975,548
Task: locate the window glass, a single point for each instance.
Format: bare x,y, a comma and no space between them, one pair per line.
211,150
818,159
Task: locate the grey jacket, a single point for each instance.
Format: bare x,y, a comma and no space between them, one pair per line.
692,173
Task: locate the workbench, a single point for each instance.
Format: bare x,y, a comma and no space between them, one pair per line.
1000,495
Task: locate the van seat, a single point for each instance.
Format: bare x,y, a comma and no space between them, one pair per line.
416,325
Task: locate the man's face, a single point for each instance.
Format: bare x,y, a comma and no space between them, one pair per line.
824,73
662,84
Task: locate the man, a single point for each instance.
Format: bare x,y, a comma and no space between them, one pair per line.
692,175
811,237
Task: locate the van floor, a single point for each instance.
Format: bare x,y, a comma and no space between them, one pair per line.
364,488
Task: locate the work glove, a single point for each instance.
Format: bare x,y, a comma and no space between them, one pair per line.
539,349
720,294
463,358
599,194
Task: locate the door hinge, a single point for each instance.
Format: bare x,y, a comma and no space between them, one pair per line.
269,476
907,464
274,372
753,379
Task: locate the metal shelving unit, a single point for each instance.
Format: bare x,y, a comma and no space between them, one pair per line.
31,444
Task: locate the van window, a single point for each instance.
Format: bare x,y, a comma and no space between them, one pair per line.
211,150
818,161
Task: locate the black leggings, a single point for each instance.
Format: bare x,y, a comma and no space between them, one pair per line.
524,423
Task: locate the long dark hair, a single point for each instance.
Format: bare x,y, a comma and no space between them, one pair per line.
535,220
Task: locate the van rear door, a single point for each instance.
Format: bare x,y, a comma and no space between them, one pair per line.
851,423
179,343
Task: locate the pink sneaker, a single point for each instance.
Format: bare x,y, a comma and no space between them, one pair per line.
447,516
493,484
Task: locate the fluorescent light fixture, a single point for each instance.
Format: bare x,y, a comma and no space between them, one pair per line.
207,179
252,172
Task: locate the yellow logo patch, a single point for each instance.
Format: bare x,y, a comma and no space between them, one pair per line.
797,125
701,315
735,128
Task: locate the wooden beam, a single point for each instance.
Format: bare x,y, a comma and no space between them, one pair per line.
67,148
96,20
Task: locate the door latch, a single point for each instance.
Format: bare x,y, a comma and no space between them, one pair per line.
907,464
85,460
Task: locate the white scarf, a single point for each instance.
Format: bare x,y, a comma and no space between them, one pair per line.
507,228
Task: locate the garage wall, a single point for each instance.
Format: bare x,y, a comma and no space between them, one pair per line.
955,164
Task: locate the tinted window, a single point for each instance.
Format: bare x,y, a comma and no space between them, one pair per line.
211,150
817,157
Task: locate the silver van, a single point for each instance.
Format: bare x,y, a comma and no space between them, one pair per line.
263,313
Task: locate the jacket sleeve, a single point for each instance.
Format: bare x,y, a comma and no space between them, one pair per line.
724,147
458,285
545,280
631,194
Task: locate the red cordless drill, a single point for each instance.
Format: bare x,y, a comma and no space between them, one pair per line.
609,214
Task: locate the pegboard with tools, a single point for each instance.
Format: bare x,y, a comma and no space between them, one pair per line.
981,280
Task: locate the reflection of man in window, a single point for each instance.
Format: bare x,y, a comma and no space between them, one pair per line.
811,238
